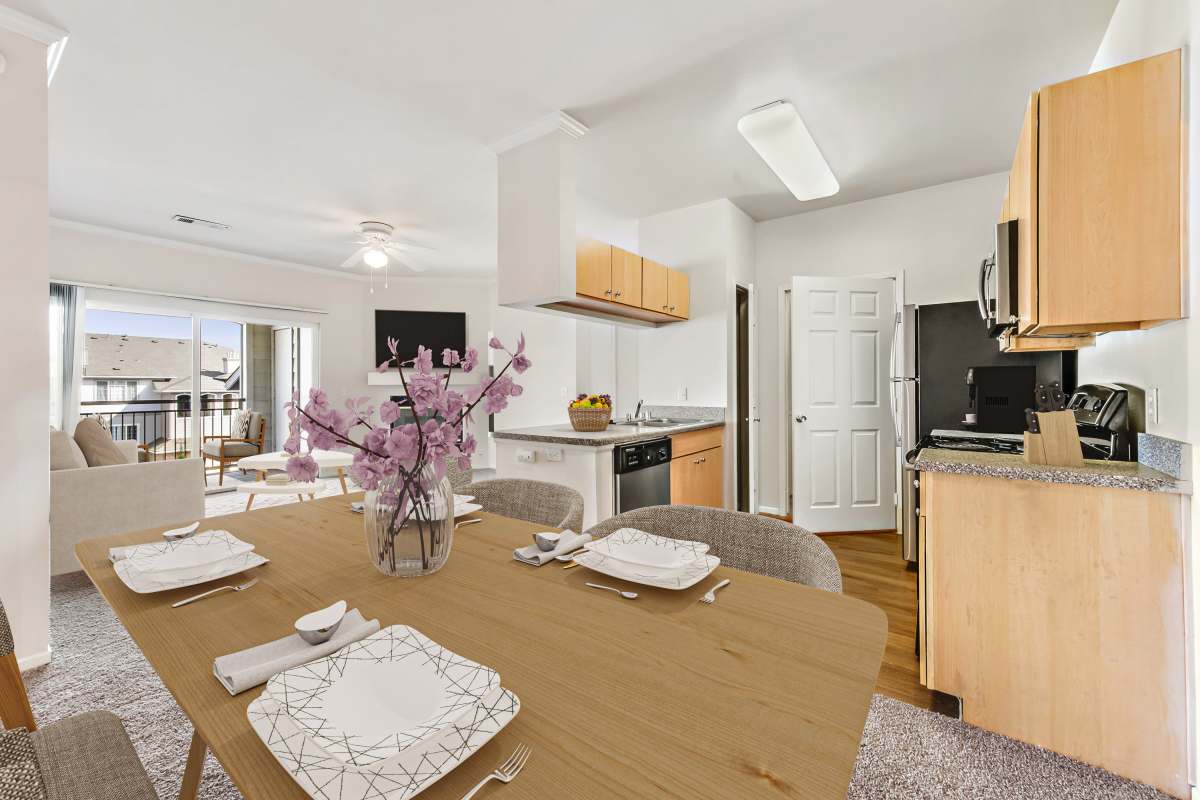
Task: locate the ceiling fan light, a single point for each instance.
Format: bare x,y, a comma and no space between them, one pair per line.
375,258
779,135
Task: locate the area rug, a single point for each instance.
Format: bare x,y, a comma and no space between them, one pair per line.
906,752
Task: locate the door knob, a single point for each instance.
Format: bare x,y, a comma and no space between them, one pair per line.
800,418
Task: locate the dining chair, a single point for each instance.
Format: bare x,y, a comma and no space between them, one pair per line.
84,757
459,477
549,504
748,542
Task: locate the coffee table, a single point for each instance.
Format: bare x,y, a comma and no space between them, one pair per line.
326,459
291,487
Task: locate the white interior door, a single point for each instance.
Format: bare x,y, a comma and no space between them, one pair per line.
842,438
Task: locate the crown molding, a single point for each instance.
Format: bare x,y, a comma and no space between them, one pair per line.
30,27
558,121
175,244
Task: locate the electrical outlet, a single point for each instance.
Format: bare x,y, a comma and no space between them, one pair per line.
526,456
554,454
1152,405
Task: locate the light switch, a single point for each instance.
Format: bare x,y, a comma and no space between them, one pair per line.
1152,405
526,456
554,454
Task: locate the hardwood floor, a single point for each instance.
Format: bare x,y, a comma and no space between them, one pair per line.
873,570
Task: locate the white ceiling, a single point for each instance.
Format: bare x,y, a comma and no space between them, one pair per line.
293,121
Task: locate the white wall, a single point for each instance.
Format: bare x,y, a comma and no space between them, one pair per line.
937,235
550,383
1153,358
24,213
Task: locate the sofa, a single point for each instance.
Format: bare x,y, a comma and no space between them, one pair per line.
116,495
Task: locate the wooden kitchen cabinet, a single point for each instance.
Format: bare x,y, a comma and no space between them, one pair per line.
678,294
626,277
593,269
1096,187
698,468
654,286
611,282
1057,613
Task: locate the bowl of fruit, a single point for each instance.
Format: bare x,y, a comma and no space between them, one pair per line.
590,412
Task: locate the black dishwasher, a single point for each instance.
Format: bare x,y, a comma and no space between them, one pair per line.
642,474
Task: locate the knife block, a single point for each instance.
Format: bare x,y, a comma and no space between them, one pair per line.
1057,443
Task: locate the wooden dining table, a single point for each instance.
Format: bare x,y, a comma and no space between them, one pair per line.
762,694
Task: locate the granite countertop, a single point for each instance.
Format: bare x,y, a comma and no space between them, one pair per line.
616,434
1111,474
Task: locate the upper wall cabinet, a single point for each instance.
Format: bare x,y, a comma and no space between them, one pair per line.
1096,188
615,282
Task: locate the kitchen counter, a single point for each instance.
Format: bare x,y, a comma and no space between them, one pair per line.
1107,474
614,435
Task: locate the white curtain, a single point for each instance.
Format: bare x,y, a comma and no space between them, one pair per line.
66,354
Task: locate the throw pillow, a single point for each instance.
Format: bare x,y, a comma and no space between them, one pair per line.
241,425
98,447
64,453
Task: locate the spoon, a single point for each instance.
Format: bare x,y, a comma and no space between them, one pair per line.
626,595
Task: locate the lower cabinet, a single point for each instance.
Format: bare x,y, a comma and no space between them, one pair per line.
698,479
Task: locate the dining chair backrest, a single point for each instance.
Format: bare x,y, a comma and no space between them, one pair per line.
458,476
747,542
549,504
14,701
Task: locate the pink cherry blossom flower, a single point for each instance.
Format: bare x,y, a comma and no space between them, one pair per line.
424,360
495,344
470,360
450,357
392,344
520,363
389,412
302,468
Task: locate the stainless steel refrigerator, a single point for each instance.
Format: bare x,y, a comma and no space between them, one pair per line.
935,346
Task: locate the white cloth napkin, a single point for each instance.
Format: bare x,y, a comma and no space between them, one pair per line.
568,542
246,669
116,554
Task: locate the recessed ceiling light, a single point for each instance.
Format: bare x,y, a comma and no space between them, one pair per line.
777,133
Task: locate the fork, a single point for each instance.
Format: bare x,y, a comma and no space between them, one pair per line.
506,771
710,596
218,590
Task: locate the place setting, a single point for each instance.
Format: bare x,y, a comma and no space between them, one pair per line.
630,555
353,711
184,557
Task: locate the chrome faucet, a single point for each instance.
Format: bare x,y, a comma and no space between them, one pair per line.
638,413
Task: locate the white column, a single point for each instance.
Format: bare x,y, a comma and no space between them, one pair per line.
24,238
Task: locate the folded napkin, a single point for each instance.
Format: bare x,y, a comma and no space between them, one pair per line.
168,544
568,542
246,669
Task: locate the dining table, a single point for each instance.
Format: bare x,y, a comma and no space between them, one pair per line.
762,694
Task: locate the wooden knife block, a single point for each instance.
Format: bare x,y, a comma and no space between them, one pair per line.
1058,443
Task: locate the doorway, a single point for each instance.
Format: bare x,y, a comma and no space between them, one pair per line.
744,410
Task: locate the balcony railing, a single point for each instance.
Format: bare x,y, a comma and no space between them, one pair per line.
163,428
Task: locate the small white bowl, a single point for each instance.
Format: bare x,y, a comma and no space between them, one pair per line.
320,626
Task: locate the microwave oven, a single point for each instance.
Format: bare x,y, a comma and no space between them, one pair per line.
998,282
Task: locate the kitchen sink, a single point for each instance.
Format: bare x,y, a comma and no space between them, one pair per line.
661,422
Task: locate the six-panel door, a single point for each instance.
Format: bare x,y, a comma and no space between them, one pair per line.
844,446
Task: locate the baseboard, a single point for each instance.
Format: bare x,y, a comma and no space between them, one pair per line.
35,660
770,510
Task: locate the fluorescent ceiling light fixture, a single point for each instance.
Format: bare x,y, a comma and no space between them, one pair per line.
777,133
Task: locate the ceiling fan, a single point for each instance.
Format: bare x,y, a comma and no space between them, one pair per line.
377,246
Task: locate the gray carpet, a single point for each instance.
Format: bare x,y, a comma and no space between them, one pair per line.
906,752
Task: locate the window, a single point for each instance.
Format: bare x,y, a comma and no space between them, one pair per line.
101,390
183,404
123,431
116,391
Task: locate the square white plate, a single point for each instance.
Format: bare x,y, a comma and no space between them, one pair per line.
648,550
182,558
689,575
146,584
381,695
398,778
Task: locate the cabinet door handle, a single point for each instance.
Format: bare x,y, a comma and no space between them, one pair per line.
664,308
608,291
618,294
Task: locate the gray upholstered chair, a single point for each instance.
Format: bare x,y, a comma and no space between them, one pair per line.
84,757
232,449
743,541
459,478
535,501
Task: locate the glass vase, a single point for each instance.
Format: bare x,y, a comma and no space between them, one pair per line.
416,539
